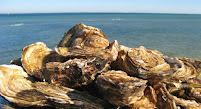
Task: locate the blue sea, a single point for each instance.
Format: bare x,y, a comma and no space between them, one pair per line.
175,35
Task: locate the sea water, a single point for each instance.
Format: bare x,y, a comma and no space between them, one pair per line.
175,35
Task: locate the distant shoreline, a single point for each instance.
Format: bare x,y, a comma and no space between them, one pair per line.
99,13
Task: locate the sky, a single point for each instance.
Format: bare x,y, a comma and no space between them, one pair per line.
133,6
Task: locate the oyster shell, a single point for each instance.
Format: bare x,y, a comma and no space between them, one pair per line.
82,58
84,36
17,87
197,65
86,41
13,81
185,71
130,59
119,88
37,61
35,56
82,40
178,71
111,52
169,101
190,91
153,65
148,101
72,73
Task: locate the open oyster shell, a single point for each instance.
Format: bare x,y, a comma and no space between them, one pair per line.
119,88
17,87
74,72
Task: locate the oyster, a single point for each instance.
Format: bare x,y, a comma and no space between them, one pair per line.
111,52
37,61
130,59
169,101
17,87
190,91
153,65
72,73
185,72
119,88
13,81
35,56
84,36
86,41
197,65
178,71
148,101
82,40
82,61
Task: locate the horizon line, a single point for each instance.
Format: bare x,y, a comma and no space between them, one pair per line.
97,12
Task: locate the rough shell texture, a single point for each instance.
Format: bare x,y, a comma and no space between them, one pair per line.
197,65
130,59
80,35
28,93
111,52
82,59
13,81
178,71
152,65
86,41
169,101
74,72
82,40
190,91
148,101
35,56
119,88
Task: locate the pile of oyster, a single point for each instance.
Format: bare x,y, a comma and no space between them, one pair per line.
85,71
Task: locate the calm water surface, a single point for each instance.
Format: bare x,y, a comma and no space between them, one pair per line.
176,35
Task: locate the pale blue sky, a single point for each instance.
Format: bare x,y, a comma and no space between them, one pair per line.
48,6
